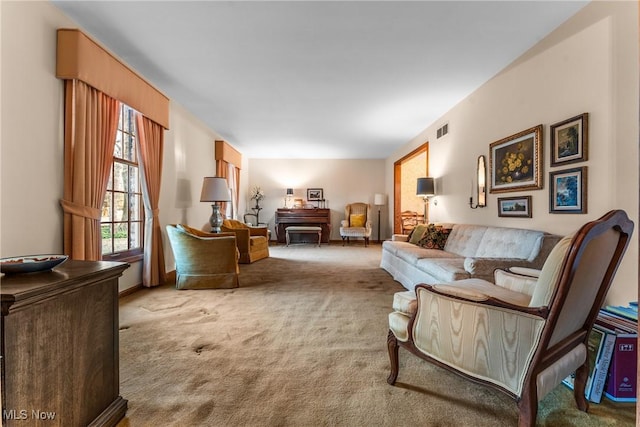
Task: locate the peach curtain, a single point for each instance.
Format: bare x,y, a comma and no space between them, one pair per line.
150,148
232,175
91,123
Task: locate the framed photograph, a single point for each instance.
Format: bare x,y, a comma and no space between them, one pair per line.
515,162
570,140
314,194
516,207
568,191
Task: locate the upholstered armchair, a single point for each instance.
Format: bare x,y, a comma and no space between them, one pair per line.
253,242
357,222
203,260
527,331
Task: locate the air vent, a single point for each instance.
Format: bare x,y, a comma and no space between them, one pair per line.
443,130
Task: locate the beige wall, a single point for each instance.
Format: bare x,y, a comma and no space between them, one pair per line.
342,181
590,64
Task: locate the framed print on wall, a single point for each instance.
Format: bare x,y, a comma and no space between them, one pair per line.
516,207
570,140
568,191
515,162
314,194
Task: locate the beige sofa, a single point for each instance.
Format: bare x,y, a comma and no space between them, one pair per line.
471,251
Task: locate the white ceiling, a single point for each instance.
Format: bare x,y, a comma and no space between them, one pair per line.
318,79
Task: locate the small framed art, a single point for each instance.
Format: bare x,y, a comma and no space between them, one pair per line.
515,162
570,140
314,194
517,207
568,191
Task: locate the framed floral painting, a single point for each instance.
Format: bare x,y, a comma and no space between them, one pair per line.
515,162
568,191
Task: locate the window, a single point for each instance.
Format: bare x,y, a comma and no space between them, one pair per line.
122,211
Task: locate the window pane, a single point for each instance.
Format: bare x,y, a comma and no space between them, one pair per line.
134,180
117,150
106,239
120,207
135,238
129,148
106,207
110,182
120,180
136,208
129,121
120,237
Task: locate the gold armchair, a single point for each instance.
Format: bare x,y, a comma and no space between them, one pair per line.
253,242
524,334
203,260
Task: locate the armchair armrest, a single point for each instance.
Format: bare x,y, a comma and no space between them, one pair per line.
242,237
344,223
258,231
475,296
524,271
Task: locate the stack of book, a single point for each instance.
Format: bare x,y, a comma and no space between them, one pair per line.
612,355
623,323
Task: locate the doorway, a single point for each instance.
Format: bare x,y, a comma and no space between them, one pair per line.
406,172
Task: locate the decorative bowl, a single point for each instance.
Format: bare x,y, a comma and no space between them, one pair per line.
31,263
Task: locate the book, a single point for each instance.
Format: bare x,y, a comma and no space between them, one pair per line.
621,379
594,347
630,312
602,363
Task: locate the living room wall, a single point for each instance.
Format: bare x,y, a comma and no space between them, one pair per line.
343,181
589,64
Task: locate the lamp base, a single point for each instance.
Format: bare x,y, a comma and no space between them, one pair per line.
216,219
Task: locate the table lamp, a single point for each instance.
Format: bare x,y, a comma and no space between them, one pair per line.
215,189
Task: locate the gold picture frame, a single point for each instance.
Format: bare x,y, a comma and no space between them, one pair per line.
515,162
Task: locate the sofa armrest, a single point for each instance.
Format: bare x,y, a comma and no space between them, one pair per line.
483,268
400,238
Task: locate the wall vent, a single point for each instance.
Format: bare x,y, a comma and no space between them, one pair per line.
443,131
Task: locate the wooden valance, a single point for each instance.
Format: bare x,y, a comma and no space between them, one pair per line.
81,58
226,153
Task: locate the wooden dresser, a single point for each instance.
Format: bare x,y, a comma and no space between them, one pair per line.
303,217
59,346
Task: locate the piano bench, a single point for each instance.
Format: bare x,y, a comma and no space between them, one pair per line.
303,230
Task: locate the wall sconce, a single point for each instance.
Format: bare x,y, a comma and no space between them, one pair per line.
288,197
425,189
482,185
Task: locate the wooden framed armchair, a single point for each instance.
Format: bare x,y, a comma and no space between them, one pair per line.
203,260
524,334
357,222
253,242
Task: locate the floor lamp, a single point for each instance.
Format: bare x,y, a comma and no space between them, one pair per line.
378,200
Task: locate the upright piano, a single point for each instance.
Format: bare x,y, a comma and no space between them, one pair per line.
302,217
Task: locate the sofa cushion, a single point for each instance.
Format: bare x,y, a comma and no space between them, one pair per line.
416,233
465,239
445,269
502,242
434,237
412,254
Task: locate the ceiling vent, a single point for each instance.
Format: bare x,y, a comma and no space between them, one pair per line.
443,130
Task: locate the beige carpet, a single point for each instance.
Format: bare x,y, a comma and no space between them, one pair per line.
302,342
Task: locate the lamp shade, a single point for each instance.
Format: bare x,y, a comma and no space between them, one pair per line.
378,199
289,191
214,189
426,187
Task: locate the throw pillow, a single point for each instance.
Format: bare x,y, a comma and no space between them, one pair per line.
416,233
357,220
435,237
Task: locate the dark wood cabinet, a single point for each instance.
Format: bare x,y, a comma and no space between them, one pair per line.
303,217
60,346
